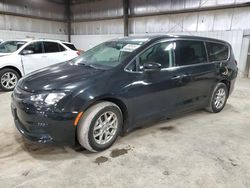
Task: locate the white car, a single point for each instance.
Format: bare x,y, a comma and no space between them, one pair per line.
20,57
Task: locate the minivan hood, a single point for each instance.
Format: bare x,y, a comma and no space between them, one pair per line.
63,76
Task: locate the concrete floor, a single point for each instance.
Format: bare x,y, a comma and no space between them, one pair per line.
195,150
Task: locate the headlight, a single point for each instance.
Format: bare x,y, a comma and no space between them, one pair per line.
53,98
49,99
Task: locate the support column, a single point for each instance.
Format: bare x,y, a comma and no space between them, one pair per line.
125,17
68,20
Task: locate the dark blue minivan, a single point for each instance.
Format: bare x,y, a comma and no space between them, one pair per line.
120,85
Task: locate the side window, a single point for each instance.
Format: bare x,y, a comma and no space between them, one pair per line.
190,52
71,46
36,47
161,53
216,51
61,48
51,47
132,67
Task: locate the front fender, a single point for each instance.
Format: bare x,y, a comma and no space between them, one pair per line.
10,61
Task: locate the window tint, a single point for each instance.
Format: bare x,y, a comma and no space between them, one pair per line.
190,52
36,47
61,48
71,46
216,51
132,67
51,47
161,53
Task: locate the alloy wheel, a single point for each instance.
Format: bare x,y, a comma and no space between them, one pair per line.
9,80
220,98
105,127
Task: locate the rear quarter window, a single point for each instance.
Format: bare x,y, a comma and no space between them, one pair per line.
52,47
217,51
71,46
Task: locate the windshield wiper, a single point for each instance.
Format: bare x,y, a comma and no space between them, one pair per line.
87,65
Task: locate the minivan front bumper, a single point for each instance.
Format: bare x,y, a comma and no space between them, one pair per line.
43,126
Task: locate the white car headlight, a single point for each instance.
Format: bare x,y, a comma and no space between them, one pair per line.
48,99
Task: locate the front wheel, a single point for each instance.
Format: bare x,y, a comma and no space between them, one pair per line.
8,79
99,126
218,99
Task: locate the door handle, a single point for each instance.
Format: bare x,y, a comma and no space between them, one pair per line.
44,56
182,78
178,77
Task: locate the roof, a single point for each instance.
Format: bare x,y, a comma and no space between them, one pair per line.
167,36
66,42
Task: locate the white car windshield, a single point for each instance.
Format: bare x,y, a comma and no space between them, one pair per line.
11,46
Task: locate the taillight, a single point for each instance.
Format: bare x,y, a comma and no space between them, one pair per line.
78,53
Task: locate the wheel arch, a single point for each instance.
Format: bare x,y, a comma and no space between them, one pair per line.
116,101
121,104
13,68
227,83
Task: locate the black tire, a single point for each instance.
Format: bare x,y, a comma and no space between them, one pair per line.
3,73
85,128
214,106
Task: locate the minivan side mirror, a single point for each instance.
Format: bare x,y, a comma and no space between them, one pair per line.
151,67
27,52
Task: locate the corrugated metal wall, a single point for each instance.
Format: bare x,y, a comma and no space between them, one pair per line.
218,20
114,26
53,12
140,7
24,34
15,23
97,9
85,16
42,8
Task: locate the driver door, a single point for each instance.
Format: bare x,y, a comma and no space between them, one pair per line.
35,60
155,94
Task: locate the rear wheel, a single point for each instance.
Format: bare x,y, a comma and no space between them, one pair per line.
218,99
8,79
100,126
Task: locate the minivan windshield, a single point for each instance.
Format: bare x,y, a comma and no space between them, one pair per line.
11,46
109,54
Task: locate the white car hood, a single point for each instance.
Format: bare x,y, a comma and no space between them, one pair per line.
4,54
